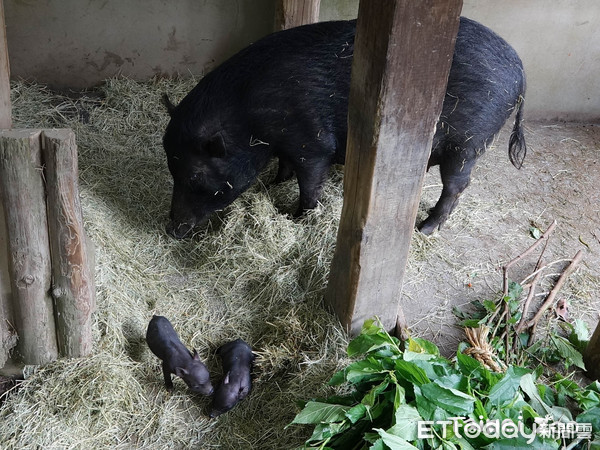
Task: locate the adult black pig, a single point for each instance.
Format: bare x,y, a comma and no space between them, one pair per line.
237,358
176,358
287,96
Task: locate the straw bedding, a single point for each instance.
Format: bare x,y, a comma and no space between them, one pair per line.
253,273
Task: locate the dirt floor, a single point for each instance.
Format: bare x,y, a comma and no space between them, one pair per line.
462,262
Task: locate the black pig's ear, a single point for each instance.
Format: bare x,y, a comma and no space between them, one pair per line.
216,146
170,106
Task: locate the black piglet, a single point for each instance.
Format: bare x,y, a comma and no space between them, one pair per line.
237,359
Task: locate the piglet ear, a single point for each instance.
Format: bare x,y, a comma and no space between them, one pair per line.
216,146
195,355
181,372
226,379
170,106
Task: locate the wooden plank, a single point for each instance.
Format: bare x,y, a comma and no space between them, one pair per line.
591,356
23,198
73,286
293,13
402,56
7,337
5,109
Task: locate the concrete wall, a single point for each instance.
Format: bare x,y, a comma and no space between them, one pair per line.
75,43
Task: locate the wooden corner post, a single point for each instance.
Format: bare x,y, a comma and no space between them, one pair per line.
5,109
24,201
293,13
73,288
402,56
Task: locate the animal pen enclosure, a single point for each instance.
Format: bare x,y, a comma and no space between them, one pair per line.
257,274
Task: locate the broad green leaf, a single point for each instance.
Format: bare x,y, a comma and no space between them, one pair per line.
594,386
325,431
468,365
490,305
471,323
419,345
425,407
454,381
356,413
395,442
591,416
535,400
338,378
365,343
588,399
504,391
318,412
407,418
567,351
410,372
371,396
581,330
452,400
514,290
378,445
399,396
371,338
369,368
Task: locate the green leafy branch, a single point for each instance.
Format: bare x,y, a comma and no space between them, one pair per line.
392,393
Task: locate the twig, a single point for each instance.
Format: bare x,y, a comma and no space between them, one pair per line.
533,246
530,295
570,268
544,267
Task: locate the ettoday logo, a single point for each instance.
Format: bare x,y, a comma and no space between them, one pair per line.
545,427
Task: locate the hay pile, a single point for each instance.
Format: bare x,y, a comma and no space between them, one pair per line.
254,274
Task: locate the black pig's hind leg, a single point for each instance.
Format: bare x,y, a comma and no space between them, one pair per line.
456,174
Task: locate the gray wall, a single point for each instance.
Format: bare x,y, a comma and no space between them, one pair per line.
72,43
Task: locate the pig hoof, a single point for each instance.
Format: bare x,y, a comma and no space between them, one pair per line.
428,227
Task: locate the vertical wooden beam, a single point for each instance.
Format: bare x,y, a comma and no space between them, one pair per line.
293,13
591,356
7,336
402,56
5,110
73,287
23,198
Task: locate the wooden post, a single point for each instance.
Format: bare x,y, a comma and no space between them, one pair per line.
402,56
23,197
293,13
72,278
591,356
5,110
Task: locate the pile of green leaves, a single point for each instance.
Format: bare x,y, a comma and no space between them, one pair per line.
392,391
560,342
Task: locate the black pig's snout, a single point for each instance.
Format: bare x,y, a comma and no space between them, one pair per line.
179,230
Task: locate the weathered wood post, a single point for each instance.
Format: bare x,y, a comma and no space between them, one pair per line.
73,286
402,56
293,13
6,334
24,202
5,110
591,356
47,247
